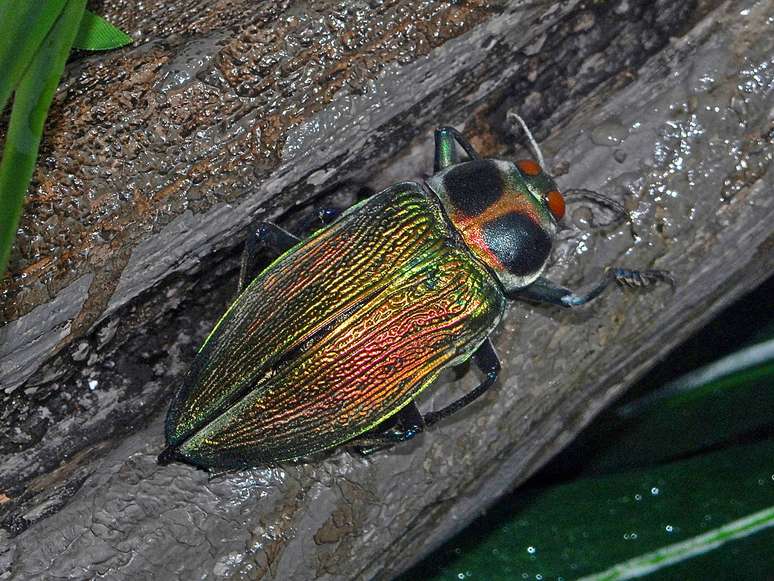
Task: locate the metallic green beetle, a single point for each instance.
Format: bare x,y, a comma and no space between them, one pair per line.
334,340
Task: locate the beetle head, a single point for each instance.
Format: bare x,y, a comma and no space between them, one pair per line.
506,213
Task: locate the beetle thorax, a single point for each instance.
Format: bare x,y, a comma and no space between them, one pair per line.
503,222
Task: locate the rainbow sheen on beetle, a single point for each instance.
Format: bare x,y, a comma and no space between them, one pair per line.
334,340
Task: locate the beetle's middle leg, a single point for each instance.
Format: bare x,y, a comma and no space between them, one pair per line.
329,214
265,236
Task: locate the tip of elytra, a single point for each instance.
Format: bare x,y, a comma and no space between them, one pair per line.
168,456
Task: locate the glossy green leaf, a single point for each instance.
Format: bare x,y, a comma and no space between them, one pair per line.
618,525
96,33
715,404
23,26
33,97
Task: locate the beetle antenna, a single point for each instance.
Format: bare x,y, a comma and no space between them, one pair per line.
621,215
533,144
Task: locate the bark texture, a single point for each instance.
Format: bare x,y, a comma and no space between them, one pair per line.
156,159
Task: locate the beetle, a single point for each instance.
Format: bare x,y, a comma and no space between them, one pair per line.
334,340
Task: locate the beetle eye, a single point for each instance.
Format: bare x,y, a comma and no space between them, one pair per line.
555,203
528,167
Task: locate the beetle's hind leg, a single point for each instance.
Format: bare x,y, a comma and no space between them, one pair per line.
411,422
266,236
401,427
487,361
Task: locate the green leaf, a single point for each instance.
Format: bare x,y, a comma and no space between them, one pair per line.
34,93
713,405
641,521
23,26
96,33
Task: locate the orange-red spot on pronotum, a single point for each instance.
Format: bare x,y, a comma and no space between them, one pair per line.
528,167
556,205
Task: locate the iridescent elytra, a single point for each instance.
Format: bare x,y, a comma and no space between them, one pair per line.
333,341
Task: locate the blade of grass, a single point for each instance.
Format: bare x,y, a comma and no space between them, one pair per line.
23,26
96,33
677,552
34,94
716,404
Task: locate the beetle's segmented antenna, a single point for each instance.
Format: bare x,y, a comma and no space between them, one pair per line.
533,144
621,215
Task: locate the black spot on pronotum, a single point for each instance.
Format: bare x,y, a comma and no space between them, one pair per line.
519,244
473,186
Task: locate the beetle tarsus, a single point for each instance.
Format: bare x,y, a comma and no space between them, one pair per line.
403,426
367,446
624,278
641,278
328,215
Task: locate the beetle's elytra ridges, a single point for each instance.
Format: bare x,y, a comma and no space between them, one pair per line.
361,318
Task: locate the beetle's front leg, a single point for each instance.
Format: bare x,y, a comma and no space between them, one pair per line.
545,291
445,152
266,236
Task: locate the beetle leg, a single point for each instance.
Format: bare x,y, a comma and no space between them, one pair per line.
445,152
580,194
401,427
545,291
487,361
269,236
412,422
328,214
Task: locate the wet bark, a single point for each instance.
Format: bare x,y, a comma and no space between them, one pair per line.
156,158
